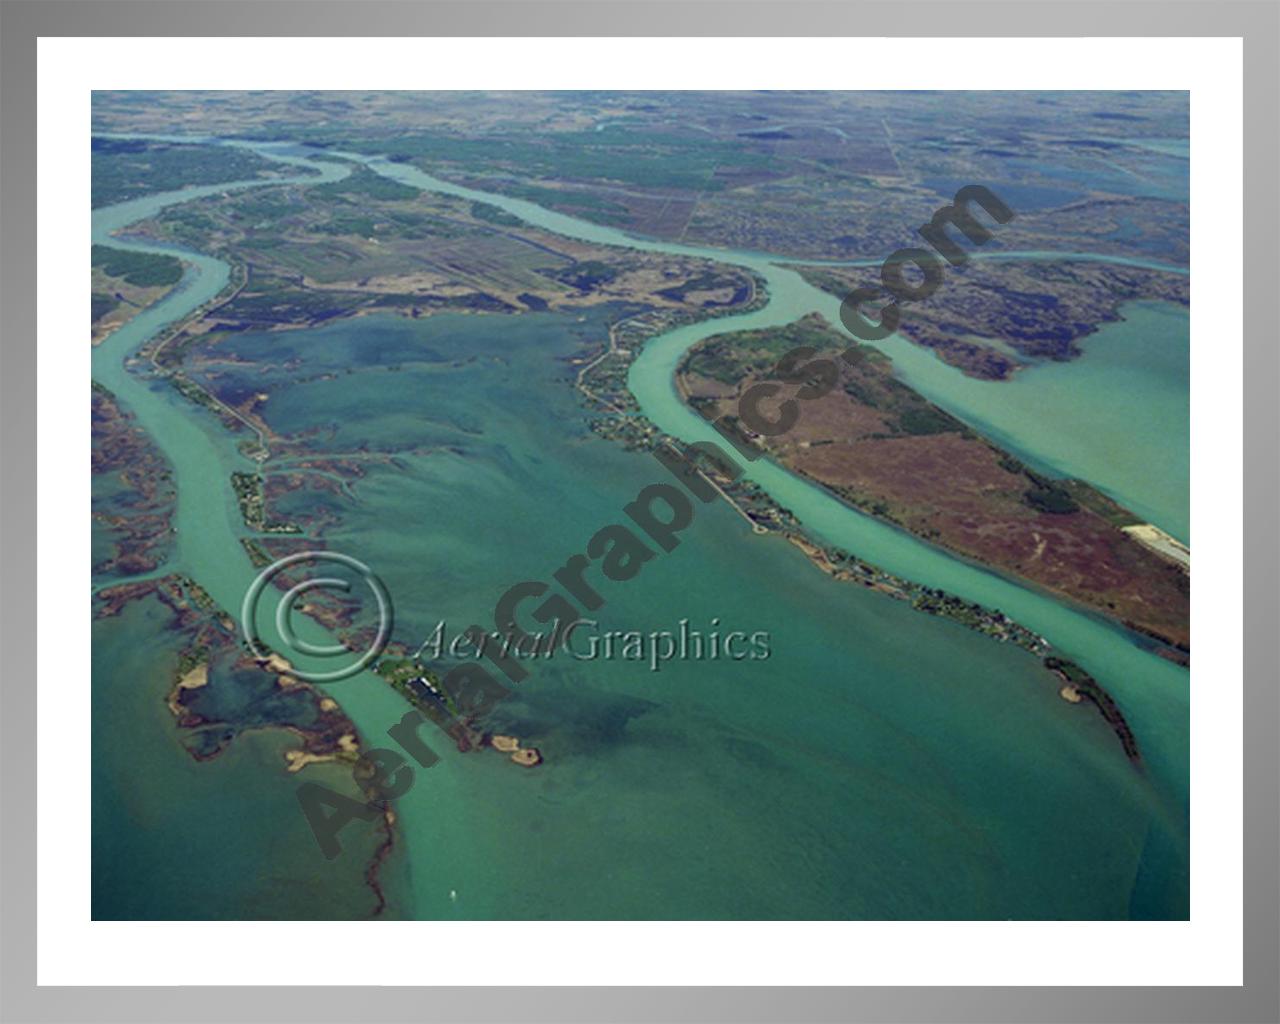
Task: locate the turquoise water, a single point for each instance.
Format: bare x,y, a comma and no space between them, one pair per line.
137,754
876,753
1054,417
177,839
1118,417
1063,432
882,763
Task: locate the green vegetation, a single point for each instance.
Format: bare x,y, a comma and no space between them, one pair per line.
733,358
636,157
252,448
1062,497
708,280
861,393
193,392
1069,670
248,488
198,595
258,555
1089,688
585,275
579,202
366,183
494,215
400,673
967,613
191,658
1050,496
363,221
1095,501
257,205
141,269
1053,500
924,418
100,304
395,670
126,169
360,225
736,359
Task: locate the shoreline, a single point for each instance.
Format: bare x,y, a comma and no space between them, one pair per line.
635,431
1162,543
334,737
588,373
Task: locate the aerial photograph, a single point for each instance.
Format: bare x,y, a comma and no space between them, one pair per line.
640,506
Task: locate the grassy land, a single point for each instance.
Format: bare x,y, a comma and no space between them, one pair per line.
135,168
885,449
142,269
365,183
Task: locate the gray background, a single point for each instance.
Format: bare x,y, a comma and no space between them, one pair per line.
1257,21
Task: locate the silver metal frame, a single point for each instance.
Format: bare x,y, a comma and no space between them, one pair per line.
21,23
